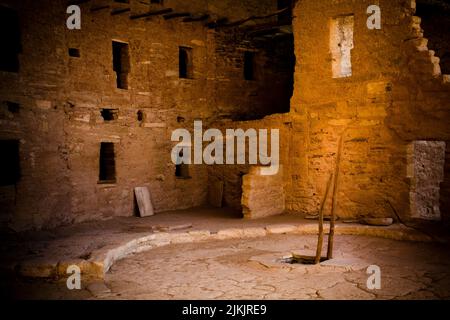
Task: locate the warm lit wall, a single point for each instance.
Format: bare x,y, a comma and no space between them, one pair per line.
394,96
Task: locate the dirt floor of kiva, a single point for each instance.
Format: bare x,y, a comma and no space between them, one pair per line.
255,269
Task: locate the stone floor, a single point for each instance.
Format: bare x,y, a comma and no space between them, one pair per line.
254,269
206,253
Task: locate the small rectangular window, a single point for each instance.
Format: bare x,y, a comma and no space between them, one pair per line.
10,37
110,114
341,45
13,107
9,162
74,53
249,65
107,163
121,63
186,63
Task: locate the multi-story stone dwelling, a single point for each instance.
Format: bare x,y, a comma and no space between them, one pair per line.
87,114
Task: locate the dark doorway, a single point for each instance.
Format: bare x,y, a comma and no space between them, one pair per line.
9,162
185,63
107,163
121,63
10,37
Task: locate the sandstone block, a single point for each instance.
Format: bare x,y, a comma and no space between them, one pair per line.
40,268
281,229
254,232
176,238
378,221
230,234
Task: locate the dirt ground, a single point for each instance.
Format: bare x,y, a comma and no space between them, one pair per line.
255,269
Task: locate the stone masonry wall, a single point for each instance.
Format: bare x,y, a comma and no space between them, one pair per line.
60,126
262,195
394,96
426,170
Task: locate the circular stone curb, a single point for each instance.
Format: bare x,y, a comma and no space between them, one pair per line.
103,259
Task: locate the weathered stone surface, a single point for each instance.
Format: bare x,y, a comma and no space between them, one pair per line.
230,234
254,232
62,266
384,222
303,252
377,117
262,195
200,235
215,193
345,291
347,264
61,97
307,228
271,261
98,289
379,108
161,239
144,201
281,229
426,170
146,239
38,269
101,260
181,238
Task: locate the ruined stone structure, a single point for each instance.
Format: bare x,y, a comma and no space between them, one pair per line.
87,115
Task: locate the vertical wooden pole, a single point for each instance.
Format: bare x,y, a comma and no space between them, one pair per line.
334,202
320,240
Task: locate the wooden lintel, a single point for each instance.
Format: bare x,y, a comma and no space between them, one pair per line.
239,22
151,13
115,12
217,23
281,30
196,18
94,9
176,15
263,32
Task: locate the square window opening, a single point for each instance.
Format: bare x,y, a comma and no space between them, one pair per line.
74,53
110,114
12,107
